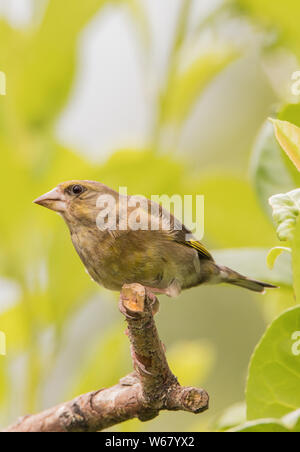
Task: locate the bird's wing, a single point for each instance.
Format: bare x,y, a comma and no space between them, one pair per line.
171,227
198,246
180,237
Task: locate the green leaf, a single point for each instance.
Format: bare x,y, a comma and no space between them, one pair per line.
274,253
296,261
269,173
290,113
289,423
274,374
288,136
286,208
292,421
261,426
232,416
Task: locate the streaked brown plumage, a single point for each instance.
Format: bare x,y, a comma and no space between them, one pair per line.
159,259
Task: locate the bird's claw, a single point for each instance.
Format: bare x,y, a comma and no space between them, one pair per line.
154,303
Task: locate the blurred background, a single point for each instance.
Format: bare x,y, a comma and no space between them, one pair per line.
162,97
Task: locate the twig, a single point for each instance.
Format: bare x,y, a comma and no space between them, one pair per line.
143,394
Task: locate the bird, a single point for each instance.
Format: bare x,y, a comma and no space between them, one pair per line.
163,255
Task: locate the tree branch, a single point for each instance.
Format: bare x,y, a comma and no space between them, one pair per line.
143,394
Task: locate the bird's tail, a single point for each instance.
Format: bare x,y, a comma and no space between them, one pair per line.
231,277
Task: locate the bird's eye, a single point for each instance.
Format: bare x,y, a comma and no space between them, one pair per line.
77,189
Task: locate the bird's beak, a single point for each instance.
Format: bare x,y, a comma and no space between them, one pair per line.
54,200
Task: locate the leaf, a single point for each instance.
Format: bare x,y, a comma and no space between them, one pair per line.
261,426
274,374
274,253
252,262
269,173
289,423
296,261
290,113
288,136
292,421
233,416
286,208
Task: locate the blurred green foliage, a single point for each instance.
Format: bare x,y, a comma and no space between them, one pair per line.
282,21
184,88
35,251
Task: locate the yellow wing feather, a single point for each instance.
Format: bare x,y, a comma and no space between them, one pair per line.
199,247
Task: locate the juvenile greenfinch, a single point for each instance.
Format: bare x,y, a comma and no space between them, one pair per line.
158,256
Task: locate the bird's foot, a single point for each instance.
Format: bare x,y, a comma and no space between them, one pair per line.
173,290
154,303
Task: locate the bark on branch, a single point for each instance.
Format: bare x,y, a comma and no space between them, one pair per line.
143,394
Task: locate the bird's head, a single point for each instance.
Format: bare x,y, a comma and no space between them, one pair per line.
75,200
